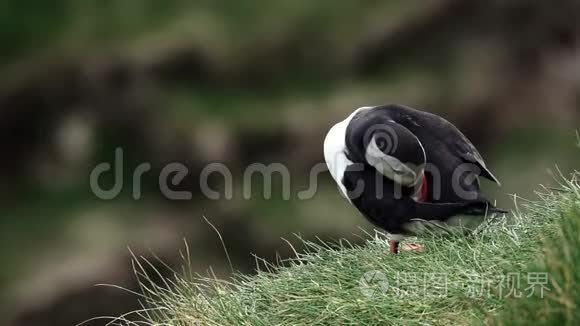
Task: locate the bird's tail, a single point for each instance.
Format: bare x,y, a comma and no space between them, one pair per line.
483,208
496,210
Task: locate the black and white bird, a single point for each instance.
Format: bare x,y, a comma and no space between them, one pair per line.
408,171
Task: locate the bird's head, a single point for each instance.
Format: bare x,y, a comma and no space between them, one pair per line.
395,152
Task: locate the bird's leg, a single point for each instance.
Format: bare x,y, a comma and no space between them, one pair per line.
413,247
394,246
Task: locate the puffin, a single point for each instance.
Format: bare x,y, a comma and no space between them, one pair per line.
408,172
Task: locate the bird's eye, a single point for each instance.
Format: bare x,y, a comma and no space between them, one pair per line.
382,144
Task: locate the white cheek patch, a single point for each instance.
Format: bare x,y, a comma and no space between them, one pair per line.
389,166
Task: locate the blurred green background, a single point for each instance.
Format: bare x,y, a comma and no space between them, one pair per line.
239,83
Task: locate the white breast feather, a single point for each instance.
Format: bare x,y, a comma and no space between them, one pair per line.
335,150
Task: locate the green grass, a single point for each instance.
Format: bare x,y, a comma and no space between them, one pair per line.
560,262
458,280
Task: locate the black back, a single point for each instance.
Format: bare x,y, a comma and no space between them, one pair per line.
448,153
453,167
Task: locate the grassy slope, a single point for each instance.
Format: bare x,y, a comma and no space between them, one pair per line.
457,281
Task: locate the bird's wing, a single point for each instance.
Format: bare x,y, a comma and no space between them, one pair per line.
469,154
441,211
393,214
445,132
